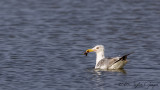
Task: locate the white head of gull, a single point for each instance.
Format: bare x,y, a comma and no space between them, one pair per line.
107,63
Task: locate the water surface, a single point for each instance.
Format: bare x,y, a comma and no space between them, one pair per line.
42,42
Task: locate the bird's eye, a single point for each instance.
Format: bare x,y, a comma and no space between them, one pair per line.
97,48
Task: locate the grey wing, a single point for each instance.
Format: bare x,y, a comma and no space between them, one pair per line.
113,61
117,59
108,62
102,62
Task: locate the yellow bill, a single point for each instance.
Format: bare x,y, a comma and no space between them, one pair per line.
87,51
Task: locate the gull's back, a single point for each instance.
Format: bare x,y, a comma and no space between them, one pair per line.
111,63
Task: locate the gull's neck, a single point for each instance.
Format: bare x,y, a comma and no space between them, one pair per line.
100,56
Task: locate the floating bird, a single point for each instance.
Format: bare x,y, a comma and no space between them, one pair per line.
107,63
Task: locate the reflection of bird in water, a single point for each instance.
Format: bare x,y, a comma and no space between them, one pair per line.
107,63
99,79
111,70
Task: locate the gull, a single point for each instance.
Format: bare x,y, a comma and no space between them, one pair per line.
107,63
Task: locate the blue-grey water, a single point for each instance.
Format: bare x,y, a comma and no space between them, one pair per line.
42,42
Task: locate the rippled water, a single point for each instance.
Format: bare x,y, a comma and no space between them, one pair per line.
42,42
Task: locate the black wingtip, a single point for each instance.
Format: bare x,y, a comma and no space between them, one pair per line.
125,56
